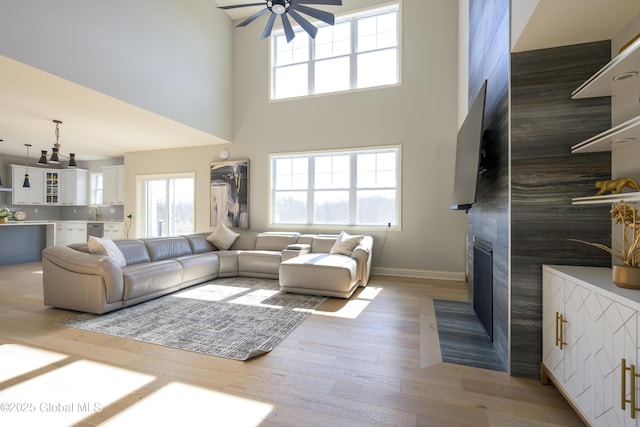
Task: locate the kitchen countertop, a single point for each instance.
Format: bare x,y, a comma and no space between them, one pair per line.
44,222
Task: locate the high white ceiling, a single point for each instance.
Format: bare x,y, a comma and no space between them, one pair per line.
94,126
566,22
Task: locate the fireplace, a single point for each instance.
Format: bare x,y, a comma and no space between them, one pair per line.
483,283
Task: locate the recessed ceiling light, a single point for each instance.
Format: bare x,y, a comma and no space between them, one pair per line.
622,140
625,76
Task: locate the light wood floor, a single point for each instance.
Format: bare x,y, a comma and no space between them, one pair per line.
372,360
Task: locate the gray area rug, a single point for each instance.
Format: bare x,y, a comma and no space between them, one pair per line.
238,318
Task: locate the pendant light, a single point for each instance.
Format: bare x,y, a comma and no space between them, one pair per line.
26,182
55,151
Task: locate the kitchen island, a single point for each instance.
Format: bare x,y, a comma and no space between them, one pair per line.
23,241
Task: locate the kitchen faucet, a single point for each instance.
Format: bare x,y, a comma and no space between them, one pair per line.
96,214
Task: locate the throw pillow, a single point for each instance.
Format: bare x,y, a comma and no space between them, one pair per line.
105,246
345,244
222,237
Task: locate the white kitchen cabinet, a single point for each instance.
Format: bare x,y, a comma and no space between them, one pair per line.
114,230
51,186
113,185
70,232
74,187
33,195
567,353
597,324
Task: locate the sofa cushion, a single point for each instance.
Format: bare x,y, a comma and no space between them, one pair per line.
199,243
105,246
345,244
161,248
198,268
263,264
134,251
150,278
222,237
275,241
323,243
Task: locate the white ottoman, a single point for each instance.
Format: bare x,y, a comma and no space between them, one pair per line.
319,274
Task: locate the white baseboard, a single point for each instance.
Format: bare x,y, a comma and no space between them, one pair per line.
420,274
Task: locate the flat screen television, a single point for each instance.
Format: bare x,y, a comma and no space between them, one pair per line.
468,154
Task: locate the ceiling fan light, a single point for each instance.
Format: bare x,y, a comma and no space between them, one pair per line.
279,7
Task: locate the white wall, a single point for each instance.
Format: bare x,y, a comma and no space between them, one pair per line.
421,115
169,57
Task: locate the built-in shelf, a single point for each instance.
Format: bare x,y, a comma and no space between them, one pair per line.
602,83
616,137
607,199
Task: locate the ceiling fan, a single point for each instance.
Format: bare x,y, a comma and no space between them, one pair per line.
289,7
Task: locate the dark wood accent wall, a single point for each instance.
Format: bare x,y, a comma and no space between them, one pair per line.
489,217
524,205
545,123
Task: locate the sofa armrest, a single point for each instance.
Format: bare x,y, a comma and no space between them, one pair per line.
294,250
90,264
362,255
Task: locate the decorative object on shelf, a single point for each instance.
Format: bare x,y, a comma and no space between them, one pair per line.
127,225
26,183
615,186
5,214
283,8
229,193
19,216
55,151
626,275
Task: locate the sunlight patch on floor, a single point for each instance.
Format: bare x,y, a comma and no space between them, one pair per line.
178,404
64,395
351,308
67,394
16,360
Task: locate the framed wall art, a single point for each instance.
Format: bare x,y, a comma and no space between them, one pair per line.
230,193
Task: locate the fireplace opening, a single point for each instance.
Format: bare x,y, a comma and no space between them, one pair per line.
483,284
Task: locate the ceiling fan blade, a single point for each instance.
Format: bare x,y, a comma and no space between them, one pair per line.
316,13
250,19
267,29
306,25
233,6
323,2
288,31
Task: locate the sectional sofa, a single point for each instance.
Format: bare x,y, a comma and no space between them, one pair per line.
76,279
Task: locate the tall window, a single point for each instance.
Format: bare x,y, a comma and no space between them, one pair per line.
345,188
359,51
167,204
96,187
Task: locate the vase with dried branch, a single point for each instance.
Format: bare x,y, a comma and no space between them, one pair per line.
627,274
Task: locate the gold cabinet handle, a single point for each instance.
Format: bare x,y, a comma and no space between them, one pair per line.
560,321
632,387
562,342
557,334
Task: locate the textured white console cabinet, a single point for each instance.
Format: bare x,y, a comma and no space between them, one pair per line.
590,333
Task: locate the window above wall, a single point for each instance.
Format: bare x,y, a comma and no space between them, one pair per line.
360,51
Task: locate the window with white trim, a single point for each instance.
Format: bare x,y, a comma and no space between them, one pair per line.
350,188
167,204
358,51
